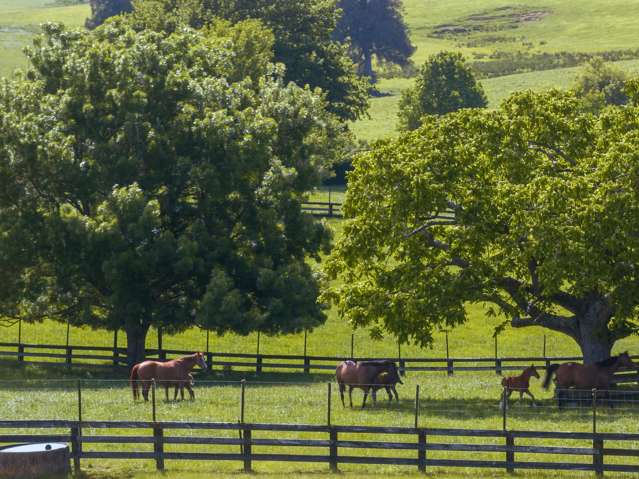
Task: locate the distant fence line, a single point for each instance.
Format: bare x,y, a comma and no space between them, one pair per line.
328,209
67,355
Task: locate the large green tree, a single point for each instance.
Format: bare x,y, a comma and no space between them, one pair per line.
532,209
375,28
153,178
445,84
303,41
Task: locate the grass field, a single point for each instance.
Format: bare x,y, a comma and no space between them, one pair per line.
583,25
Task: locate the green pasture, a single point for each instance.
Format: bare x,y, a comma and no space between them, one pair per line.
575,26
462,401
20,20
382,121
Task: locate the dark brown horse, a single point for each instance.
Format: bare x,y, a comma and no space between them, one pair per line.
365,375
585,376
173,373
520,384
386,381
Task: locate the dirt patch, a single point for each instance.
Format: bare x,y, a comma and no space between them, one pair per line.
503,18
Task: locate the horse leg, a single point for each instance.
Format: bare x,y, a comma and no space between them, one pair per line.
166,392
182,392
374,395
191,393
350,395
341,393
175,393
145,390
365,396
531,397
390,394
395,391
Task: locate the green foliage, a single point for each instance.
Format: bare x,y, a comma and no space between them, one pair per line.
302,41
374,28
444,85
601,85
101,10
533,207
148,178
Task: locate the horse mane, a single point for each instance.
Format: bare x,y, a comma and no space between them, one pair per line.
611,361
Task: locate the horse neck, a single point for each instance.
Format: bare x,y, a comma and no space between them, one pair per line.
527,374
188,362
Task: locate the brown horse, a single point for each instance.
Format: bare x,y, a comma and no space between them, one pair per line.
386,381
364,375
175,372
520,384
585,376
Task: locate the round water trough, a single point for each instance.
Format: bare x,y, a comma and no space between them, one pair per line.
34,460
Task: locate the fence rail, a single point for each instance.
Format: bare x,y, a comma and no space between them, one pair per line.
420,445
329,209
110,356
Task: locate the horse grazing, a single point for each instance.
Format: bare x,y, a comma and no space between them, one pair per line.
366,375
175,372
520,384
585,376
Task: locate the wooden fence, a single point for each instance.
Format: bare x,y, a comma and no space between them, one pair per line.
421,445
328,209
105,356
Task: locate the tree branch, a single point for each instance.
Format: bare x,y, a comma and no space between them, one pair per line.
552,152
562,324
432,221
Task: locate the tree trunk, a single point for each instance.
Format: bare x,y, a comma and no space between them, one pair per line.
594,338
135,344
366,68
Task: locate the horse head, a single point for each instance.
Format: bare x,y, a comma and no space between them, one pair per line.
393,374
200,361
533,371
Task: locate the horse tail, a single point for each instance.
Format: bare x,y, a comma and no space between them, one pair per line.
552,369
134,381
504,381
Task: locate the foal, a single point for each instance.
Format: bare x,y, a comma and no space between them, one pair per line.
520,384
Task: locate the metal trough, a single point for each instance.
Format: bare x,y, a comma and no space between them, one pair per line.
34,461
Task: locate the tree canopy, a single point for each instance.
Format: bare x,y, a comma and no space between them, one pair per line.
375,28
531,209
151,178
445,84
303,41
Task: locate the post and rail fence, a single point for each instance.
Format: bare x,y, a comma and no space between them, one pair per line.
107,356
332,444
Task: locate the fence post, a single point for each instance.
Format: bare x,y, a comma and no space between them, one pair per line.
158,446
597,441
544,355
161,352
20,345
116,352
242,389
75,448
307,361
247,449
504,408
69,352
497,360
333,449
77,445
510,453
402,363
421,451
258,356
328,404
449,362
153,399
416,406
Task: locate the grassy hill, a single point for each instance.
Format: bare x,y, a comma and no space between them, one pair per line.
20,20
